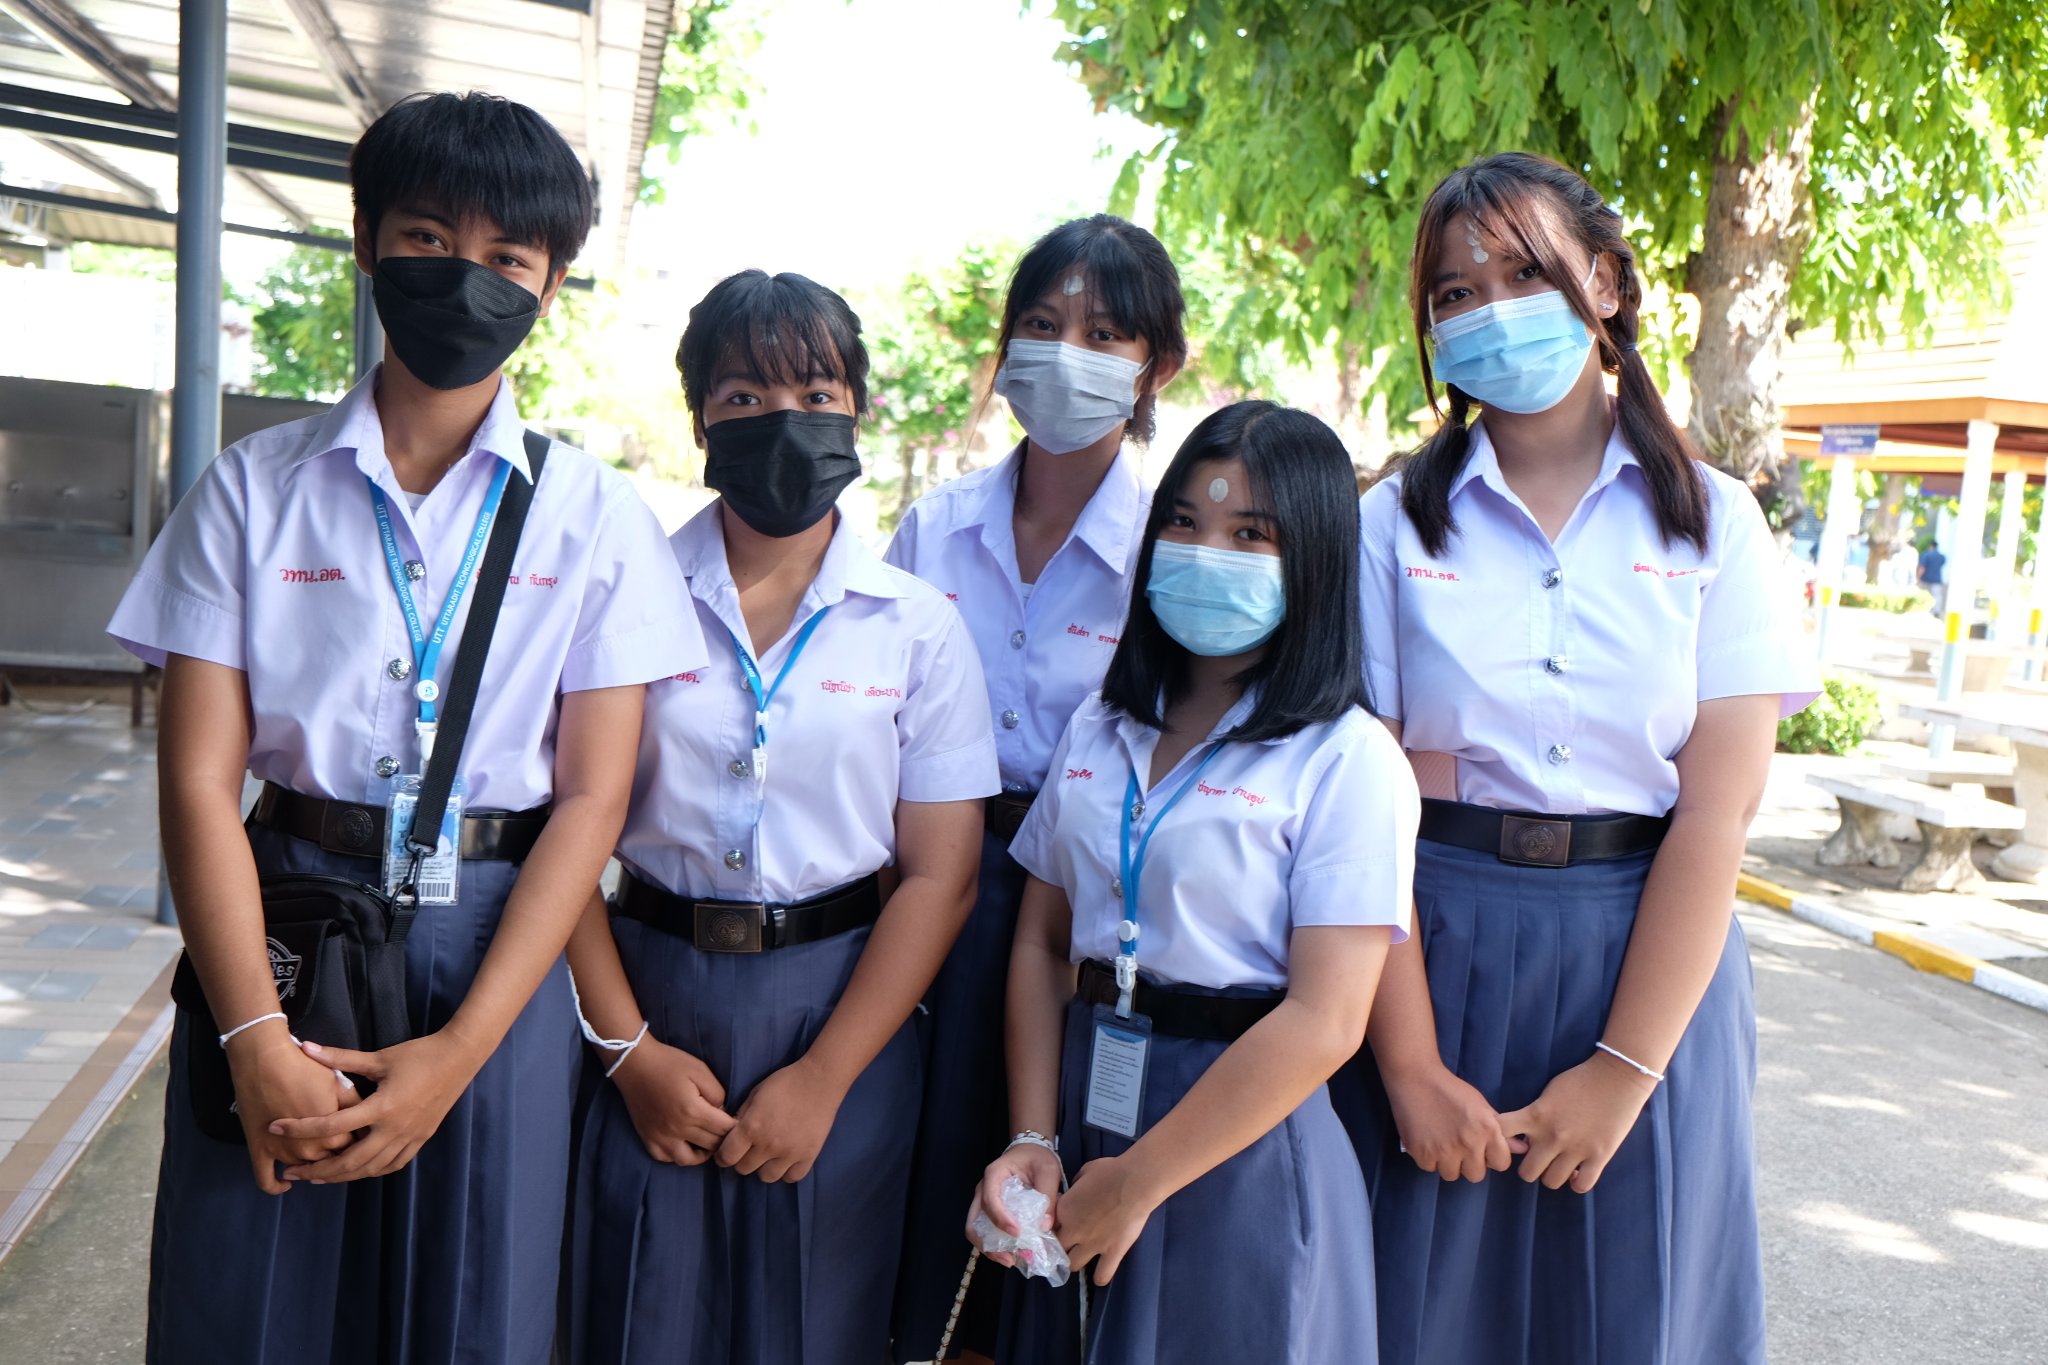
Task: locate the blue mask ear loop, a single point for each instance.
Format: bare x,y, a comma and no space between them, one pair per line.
1133,867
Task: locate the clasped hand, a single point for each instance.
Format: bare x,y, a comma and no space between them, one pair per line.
1098,1219
418,1082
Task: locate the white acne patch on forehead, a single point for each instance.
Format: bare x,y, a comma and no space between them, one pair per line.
1074,285
1479,256
1219,489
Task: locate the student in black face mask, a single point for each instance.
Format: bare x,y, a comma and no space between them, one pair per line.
799,855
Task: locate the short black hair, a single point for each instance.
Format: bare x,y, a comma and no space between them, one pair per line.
1313,669
1130,277
474,156
781,329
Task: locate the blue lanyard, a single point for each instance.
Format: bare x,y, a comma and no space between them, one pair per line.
426,649
1132,866
752,674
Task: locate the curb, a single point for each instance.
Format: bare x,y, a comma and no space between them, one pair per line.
1919,953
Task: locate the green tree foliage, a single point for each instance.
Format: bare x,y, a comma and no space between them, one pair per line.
1836,721
704,82
1836,161
305,320
932,348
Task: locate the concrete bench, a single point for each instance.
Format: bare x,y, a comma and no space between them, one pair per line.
1984,667
1949,821
1994,770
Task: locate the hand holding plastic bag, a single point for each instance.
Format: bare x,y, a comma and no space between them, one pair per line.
1036,1250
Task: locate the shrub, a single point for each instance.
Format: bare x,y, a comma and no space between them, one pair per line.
1836,721
1897,603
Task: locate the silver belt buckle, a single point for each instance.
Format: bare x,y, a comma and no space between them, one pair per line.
728,928
1534,842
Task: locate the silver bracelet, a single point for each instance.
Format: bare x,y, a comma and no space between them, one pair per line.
1031,1137
244,1028
1629,1061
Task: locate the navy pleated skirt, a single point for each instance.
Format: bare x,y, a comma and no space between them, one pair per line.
965,1123
1267,1258
455,1258
1660,1264
673,1265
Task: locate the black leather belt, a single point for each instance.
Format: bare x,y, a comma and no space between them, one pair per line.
344,827
1006,814
1541,840
749,926
1177,1013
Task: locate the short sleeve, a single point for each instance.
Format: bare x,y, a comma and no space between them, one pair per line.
189,597
946,751
636,623
1378,514
1751,641
1354,856
1032,848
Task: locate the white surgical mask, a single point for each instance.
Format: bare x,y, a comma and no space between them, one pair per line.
1067,398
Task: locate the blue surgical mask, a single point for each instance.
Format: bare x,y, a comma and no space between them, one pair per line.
1216,602
1518,355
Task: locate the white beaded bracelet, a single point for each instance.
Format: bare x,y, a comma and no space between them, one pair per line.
1629,1061
244,1028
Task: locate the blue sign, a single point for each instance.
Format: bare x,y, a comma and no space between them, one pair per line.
1849,440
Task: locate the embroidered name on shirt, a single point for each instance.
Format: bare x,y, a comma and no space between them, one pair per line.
532,580
1252,797
1079,774
1083,633
313,575
896,692
834,685
686,677
1440,575
1667,573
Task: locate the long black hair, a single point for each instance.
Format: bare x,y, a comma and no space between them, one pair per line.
1313,669
1130,278
1530,202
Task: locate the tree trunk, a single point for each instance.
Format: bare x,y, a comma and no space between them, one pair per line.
1881,525
1759,220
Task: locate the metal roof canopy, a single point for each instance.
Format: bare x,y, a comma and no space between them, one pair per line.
89,94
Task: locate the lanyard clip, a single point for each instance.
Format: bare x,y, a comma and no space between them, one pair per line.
1126,983
426,730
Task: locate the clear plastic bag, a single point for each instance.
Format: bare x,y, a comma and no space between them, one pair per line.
1038,1252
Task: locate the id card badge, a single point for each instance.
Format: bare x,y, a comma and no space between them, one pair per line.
1116,1072
440,878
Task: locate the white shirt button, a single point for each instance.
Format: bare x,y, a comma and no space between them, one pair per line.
1555,663
387,766
1553,577
399,669
1011,720
738,767
1560,753
1015,788
735,859
1016,639
414,570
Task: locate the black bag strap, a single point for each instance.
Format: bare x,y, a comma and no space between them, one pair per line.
469,664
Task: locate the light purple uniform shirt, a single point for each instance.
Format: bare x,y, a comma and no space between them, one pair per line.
272,564
1044,650
1314,828
885,704
1564,678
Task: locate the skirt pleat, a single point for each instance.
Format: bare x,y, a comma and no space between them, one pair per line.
701,1266
1661,1263
965,1122
456,1258
1266,1258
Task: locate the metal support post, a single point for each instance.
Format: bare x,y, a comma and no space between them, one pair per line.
202,171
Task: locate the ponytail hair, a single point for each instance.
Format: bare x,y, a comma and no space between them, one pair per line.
1539,208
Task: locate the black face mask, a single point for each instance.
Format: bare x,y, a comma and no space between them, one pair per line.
451,322
782,471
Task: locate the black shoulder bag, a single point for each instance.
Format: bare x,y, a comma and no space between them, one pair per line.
337,946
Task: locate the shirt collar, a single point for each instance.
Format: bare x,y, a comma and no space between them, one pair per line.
353,425
849,566
1108,525
1483,463
1140,739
